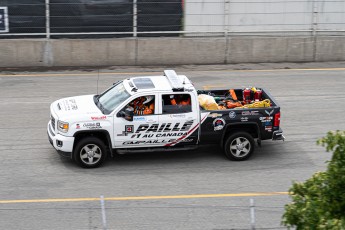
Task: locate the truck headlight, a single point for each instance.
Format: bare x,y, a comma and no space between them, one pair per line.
63,126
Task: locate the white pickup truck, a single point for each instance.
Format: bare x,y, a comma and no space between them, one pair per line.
157,113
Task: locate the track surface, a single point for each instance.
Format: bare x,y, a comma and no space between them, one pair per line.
180,190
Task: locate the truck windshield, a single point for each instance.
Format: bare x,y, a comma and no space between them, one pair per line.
112,98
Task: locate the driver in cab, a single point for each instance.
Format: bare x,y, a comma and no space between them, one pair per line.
142,105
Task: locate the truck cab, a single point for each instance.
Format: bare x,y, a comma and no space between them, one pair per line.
136,114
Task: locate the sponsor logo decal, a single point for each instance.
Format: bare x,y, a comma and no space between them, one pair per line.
215,115
140,118
250,113
164,127
128,129
186,140
134,142
266,121
232,114
147,142
244,119
158,130
269,113
218,124
268,128
70,104
177,115
77,126
99,118
92,125
178,130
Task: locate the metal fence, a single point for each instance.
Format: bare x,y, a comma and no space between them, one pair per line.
133,18
111,213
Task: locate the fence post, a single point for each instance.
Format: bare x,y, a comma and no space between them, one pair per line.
314,18
226,16
314,27
47,19
103,213
226,28
252,214
135,18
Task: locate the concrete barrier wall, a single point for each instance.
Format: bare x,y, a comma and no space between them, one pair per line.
169,51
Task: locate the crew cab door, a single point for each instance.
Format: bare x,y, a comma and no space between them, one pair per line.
135,133
179,119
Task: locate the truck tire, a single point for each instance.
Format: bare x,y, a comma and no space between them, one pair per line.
239,146
89,152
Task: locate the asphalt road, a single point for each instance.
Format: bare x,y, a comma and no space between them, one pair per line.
179,190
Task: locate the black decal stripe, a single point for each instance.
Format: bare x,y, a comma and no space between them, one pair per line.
188,133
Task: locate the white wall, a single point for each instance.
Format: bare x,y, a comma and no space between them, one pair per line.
264,15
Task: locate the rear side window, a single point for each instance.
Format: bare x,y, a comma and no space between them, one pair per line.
176,103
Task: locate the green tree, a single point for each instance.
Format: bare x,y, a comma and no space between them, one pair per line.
319,202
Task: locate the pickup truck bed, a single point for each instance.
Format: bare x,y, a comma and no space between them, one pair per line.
234,128
262,123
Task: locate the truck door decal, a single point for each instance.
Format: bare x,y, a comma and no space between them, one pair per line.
188,133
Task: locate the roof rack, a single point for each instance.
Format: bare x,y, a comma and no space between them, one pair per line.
175,81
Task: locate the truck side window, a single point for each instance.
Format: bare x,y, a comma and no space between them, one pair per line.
176,103
144,105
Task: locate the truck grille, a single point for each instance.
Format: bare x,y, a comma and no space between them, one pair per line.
53,122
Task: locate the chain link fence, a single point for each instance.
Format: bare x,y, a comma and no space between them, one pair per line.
133,18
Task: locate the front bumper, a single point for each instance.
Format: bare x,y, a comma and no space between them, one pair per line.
63,144
278,135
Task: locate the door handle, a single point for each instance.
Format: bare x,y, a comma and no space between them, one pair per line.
151,121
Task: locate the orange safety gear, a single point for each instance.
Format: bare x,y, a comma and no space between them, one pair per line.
233,94
148,111
231,104
141,110
185,102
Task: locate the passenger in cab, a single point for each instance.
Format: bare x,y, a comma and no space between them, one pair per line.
180,99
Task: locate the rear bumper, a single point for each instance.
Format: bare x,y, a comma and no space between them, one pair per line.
278,135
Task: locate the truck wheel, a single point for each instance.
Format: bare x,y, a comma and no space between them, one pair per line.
239,146
89,152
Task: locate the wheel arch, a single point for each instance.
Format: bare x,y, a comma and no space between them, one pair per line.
103,135
250,127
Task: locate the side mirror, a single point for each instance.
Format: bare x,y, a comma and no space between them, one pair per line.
128,114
